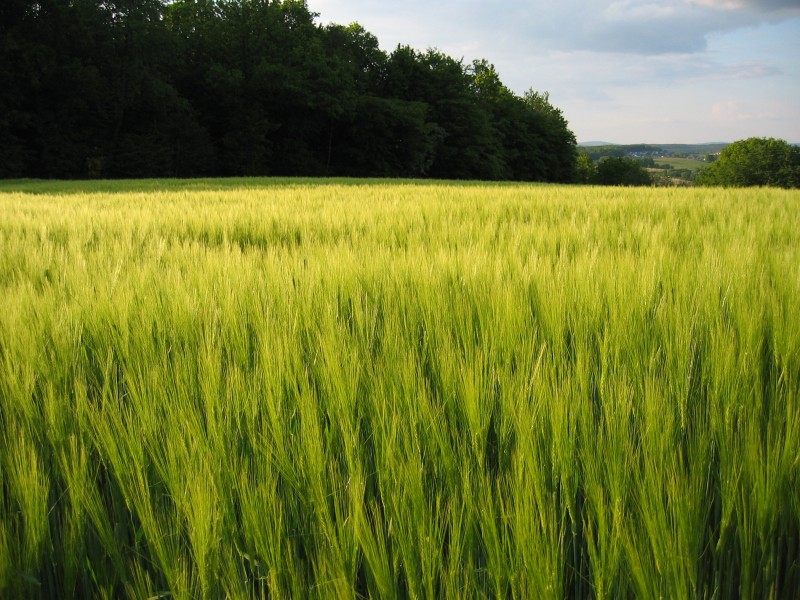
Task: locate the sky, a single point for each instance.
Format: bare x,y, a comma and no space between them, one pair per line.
624,71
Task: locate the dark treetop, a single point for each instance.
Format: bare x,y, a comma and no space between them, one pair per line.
148,88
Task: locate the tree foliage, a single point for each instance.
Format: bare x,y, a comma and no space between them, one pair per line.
613,170
755,162
136,88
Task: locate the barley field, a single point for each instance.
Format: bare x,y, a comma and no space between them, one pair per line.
298,389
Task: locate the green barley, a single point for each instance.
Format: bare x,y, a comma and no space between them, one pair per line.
354,389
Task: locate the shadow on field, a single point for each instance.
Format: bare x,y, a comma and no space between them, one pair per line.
113,186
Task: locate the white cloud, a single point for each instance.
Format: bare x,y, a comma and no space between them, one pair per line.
759,5
735,112
726,4
645,27
622,70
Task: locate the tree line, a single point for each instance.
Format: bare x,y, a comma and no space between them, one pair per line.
745,163
755,162
151,88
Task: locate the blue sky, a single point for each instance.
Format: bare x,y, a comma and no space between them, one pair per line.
624,71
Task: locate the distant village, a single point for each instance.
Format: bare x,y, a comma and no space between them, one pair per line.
645,164
660,153
700,152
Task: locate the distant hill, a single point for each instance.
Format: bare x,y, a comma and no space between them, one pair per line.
597,150
705,148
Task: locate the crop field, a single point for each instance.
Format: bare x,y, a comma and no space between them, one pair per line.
298,389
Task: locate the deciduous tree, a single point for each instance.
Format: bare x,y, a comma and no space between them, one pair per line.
144,88
755,162
621,171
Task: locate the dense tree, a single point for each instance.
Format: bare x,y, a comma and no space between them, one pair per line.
585,169
135,88
18,52
755,162
621,171
553,129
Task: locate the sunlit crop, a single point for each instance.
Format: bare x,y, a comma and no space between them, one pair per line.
299,389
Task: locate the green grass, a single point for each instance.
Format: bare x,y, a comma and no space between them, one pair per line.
358,389
116,186
682,163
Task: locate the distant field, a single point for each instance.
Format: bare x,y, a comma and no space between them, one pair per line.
682,163
293,388
44,186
